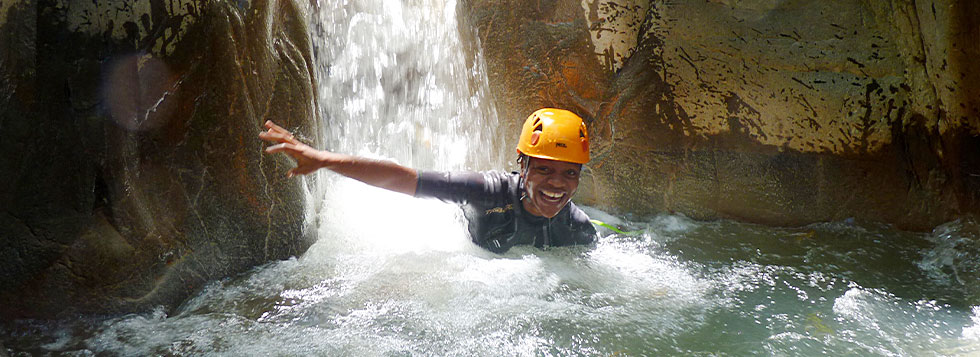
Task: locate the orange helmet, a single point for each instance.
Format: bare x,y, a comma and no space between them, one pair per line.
555,134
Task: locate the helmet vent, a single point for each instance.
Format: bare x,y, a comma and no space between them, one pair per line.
550,134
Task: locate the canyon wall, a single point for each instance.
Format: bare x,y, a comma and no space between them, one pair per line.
781,112
132,174
132,171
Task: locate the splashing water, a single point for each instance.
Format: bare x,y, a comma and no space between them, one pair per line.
392,275
681,288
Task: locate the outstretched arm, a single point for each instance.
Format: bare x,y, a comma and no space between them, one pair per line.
384,174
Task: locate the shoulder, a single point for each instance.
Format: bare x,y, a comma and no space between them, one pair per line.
500,176
580,225
576,215
503,179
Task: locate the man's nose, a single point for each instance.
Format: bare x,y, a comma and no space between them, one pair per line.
557,181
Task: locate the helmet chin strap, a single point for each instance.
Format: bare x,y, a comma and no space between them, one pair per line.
524,161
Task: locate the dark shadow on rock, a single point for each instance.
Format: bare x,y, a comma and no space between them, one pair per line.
133,174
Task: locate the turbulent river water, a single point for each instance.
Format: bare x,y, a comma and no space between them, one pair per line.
395,276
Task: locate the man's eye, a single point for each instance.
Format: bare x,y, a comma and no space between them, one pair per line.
571,173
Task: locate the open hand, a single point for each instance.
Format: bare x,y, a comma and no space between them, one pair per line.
307,158
380,173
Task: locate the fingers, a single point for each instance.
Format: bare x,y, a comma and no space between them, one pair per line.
276,129
289,148
299,152
273,127
277,133
287,143
273,136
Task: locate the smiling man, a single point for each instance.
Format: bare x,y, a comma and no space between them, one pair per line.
532,206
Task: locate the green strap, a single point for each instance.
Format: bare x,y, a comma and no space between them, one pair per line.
614,229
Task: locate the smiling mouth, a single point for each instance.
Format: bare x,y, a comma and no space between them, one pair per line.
552,196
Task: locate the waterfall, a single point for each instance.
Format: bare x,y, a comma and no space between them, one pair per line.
395,275
395,82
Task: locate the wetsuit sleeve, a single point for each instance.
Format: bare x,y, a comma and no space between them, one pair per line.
457,187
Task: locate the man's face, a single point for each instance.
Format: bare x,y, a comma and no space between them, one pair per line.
550,185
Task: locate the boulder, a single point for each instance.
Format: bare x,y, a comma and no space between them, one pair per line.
132,171
778,112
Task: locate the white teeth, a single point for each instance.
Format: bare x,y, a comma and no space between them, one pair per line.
553,195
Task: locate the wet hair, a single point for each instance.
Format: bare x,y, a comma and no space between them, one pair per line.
523,160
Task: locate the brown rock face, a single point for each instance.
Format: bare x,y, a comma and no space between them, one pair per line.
132,172
777,112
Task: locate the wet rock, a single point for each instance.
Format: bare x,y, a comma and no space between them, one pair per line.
784,113
954,258
132,170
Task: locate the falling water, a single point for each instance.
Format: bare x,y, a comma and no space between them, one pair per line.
396,82
393,275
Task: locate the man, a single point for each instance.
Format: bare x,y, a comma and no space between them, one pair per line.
530,207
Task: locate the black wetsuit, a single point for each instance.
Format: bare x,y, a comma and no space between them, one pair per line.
491,202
